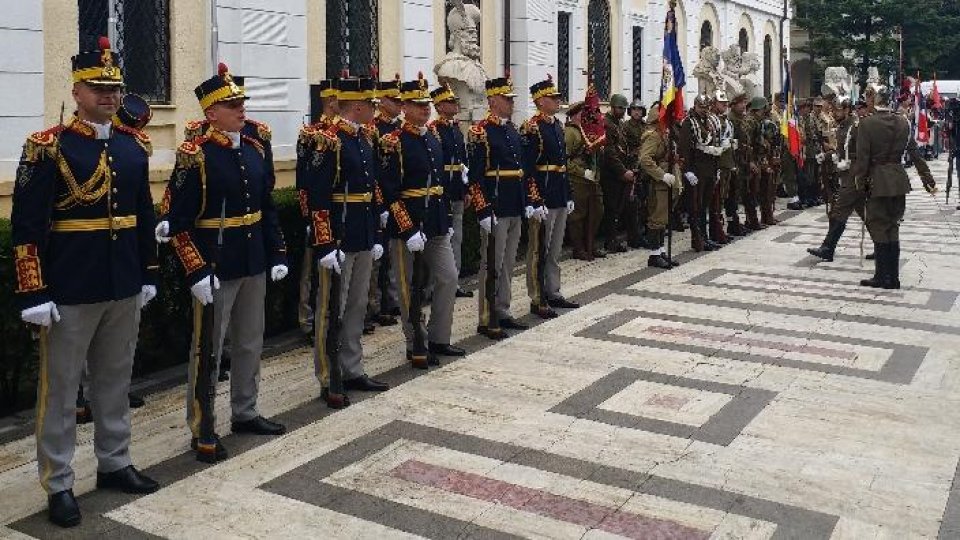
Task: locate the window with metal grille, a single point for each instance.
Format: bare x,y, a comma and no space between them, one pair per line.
598,46
706,35
353,36
637,62
767,64
563,54
141,38
744,40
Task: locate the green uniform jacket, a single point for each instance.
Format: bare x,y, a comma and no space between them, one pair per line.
882,138
653,154
580,156
615,161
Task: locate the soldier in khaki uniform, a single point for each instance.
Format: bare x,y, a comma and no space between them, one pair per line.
742,156
582,158
882,139
617,178
850,195
633,130
655,163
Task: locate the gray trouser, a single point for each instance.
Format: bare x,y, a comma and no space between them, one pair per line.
456,241
552,240
304,311
354,285
507,235
238,307
438,256
106,333
382,293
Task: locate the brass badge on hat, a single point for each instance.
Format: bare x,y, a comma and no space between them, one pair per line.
106,59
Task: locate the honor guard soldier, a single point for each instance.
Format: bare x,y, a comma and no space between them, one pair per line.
414,190
86,264
327,117
699,146
850,195
655,163
882,139
447,106
383,297
545,163
767,151
221,188
340,178
502,195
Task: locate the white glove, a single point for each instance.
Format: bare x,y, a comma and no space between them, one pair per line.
669,179
383,219
278,272
833,157
450,232
692,178
309,229
570,207
541,213
463,175
416,242
715,150
735,143
725,143
820,158
843,165
202,292
487,224
147,293
377,252
588,174
529,211
332,260
162,232
42,315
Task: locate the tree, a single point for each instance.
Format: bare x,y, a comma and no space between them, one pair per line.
869,29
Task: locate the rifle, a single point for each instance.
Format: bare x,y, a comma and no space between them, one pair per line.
537,235
336,397
490,293
952,155
420,357
205,388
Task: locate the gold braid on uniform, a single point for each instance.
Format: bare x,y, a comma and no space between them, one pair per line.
194,129
390,144
263,130
190,156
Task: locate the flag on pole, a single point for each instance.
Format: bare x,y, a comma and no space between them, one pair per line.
673,79
788,121
936,102
920,114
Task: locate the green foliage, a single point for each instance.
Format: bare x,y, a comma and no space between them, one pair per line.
165,328
931,32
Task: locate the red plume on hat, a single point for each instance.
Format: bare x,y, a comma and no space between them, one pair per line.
374,72
104,43
222,69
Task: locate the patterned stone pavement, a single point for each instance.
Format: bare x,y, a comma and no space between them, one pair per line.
750,393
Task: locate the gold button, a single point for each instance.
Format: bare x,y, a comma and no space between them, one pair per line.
110,159
114,174
248,209
248,196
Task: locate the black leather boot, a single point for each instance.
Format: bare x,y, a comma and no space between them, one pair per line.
892,277
834,232
880,266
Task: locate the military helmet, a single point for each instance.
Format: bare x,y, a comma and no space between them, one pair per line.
720,96
637,104
702,99
758,103
619,101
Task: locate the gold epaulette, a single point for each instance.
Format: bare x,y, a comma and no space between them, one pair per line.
478,133
390,142
326,140
142,138
194,129
190,154
42,143
263,130
531,126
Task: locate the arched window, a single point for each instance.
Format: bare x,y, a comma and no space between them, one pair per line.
706,35
598,46
767,64
353,40
744,40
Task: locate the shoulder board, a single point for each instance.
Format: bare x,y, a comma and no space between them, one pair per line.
190,153
390,142
326,139
194,129
42,143
370,131
263,130
478,132
307,132
531,126
142,138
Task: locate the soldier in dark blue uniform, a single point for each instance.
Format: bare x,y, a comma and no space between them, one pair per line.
227,174
414,190
340,178
545,161
502,195
447,106
86,263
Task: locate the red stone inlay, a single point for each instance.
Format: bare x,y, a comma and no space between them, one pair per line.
738,340
668,402
535,501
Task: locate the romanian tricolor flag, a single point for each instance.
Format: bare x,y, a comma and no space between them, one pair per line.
920,120
673,81
788,120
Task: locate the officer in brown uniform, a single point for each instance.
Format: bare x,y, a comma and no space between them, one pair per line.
655,164
616,178
741,177
582,158
882,138
725,163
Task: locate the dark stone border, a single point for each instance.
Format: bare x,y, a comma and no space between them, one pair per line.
950,523
809,261
722,428
909,247
940,300
900,368
305,484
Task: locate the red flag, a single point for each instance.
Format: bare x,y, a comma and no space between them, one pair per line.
592,122
920,114
935,101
